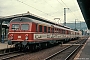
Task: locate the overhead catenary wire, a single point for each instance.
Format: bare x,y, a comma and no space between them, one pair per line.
33,7
63,4
60,2
53,8
67,7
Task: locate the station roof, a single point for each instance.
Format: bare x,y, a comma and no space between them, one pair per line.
30,15
5,26
85,9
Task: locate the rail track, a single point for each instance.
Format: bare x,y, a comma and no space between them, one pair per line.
68,52
71,49
10,55
65,52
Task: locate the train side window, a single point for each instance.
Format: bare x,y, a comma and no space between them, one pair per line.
40,28
48,29
62,31
59,30
45,28
69,32
55,30
52,30
36,27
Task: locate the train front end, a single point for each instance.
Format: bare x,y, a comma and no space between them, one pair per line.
19,31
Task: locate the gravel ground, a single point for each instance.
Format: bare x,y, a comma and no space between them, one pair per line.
40,55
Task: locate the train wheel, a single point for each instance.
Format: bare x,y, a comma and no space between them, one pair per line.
18,47
37,46
31,47
43,45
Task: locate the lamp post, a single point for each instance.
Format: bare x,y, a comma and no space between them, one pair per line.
65,16
0,30
75,23
80,25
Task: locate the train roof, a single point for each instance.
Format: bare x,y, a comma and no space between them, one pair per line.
26,19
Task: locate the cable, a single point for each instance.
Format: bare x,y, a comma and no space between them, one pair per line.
32,7
69,9
60,3
47,3
51,6
64,4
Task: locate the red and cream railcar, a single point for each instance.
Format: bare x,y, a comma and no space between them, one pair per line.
25,31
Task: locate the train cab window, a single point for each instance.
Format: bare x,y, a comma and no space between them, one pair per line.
45,28
24,26
48,29
15,27
40,28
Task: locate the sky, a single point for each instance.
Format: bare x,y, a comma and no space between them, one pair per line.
48,9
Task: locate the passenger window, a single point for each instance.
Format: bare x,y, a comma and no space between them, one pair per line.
36,27
48,29
40,28
52,30
45,28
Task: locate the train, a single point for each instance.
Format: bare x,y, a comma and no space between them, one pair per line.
29,33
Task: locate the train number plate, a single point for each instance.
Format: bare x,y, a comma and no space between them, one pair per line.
19,36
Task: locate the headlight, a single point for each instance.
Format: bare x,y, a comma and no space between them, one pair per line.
26,37
11,37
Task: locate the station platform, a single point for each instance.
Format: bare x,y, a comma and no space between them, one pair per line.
5,46
84,53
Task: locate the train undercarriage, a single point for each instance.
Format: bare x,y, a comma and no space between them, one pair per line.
33,46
